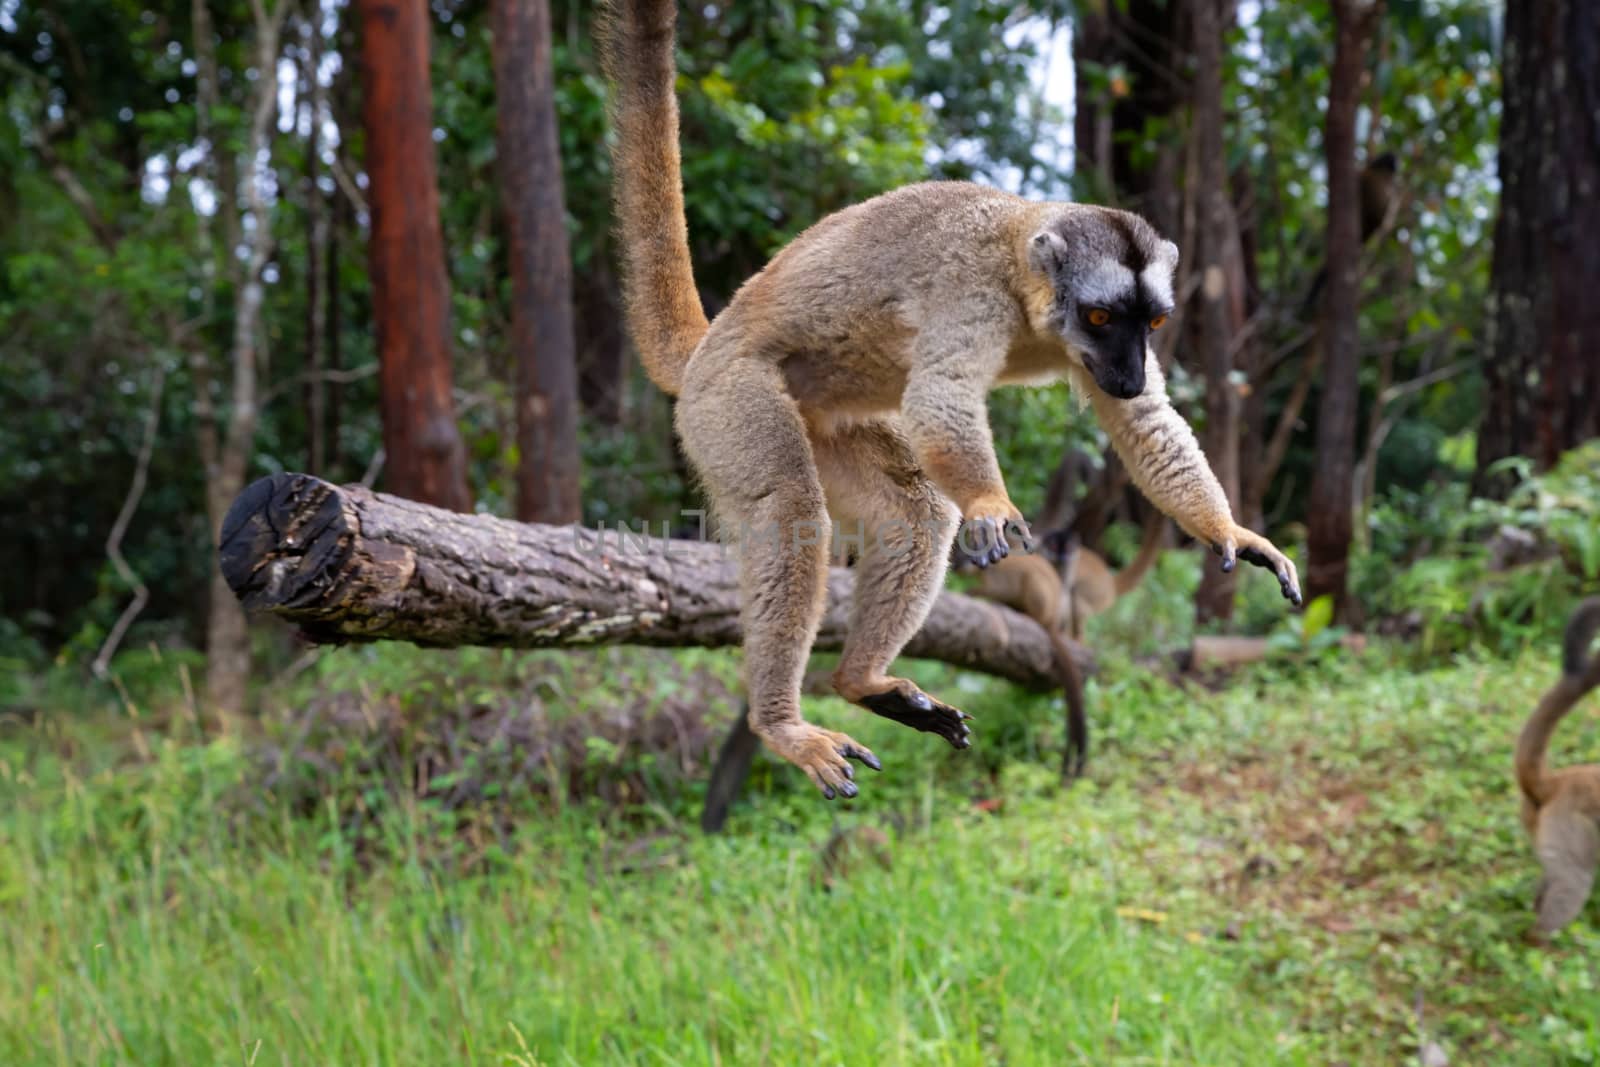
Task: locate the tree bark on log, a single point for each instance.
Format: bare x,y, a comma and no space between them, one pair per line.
344,564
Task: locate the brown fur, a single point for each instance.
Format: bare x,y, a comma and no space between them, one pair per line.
1561,809
849,377
1095,587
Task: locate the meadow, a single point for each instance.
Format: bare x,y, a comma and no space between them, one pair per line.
1319,862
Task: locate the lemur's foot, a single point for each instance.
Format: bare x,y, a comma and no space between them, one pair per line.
823,754
906,704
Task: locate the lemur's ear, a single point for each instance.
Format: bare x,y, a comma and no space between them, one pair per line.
1168,255
1047,251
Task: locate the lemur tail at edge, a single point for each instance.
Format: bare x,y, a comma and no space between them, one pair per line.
637,42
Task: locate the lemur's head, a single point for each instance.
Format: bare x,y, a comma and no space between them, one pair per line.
1111,274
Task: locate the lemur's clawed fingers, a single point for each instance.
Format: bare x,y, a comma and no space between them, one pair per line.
823,755
1020,536
910,706
1257,550
855,751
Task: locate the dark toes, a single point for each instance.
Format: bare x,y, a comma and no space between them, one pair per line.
857,752
848,790
827,792
921,712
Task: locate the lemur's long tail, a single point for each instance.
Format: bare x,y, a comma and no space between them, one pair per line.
1580,672
664,315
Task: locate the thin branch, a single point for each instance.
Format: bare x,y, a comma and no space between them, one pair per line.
369,477
347,185
1278,444
56,167
338,377
1416,385
130,504
104,233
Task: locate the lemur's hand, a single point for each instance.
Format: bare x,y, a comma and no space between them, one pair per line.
1253,548
982,538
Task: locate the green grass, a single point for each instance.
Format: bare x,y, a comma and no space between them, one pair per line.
983,943
1316,864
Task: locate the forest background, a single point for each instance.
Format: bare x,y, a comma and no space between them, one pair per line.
373,242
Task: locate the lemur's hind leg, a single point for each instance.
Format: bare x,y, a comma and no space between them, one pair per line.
766,494
878,494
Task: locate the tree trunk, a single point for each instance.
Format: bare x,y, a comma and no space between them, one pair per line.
225,454
1330,503
316,392
602,346
541,271
1542,368
1147,38
1150,40
1250,359
410,290
348,564
1220,300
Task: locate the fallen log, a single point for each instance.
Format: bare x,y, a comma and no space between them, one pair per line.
346,564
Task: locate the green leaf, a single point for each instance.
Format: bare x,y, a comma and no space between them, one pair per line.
1319,613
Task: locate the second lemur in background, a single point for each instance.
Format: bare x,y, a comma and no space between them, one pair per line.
1034,584
1561,809
1092,585
1061,587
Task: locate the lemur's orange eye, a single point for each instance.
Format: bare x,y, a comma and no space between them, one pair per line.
1099,316
1158,322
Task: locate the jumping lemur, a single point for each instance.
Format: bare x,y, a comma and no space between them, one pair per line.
1561,809
848,378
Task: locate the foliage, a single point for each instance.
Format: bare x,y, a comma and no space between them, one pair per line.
1434,102
1500,573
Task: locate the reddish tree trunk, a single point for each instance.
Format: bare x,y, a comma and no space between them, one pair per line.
1331,502
541,272
425,459
1542,370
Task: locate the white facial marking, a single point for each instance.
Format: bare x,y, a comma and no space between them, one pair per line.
1157,282
1107,282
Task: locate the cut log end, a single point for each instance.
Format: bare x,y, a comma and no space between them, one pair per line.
283,541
